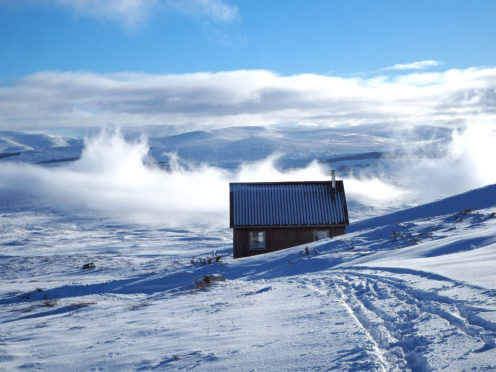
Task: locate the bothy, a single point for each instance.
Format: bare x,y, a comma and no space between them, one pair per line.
270,216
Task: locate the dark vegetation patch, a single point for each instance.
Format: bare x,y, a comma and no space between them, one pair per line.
207,260
207,280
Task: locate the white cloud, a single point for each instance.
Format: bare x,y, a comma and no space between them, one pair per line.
419,65
133,13
129,12
214,9
111,178
53,99
466,162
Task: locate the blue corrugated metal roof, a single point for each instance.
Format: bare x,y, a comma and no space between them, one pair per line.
287,204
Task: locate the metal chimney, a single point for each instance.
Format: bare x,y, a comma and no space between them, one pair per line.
333,175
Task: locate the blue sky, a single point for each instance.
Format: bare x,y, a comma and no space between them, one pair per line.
212,63
289,37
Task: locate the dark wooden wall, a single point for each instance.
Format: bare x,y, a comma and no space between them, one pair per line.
277,238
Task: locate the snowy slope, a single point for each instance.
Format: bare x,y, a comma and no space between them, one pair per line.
37,147
414,290
298,146
227,148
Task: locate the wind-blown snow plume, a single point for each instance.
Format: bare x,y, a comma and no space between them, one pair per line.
111,177
467,162
462,163
117,178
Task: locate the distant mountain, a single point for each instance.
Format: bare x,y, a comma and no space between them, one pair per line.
37,147
347,149
229,147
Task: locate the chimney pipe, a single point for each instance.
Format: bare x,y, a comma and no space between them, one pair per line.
333,175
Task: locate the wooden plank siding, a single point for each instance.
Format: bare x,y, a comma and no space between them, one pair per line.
277,238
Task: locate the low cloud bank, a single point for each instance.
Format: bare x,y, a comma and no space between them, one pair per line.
463,163
111,178
116,178
467,162
451,98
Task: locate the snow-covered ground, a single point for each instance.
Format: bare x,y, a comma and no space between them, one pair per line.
412,290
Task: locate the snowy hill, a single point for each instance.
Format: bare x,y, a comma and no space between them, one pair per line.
38,147
366,150
414,290
32,141
298,146
227,148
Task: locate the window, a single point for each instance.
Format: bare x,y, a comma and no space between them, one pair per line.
257,240
320,234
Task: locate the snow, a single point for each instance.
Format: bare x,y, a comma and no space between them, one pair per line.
411,290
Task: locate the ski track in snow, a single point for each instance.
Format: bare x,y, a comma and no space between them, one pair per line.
409,328
338,310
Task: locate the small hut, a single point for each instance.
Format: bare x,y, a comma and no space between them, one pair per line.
270,216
